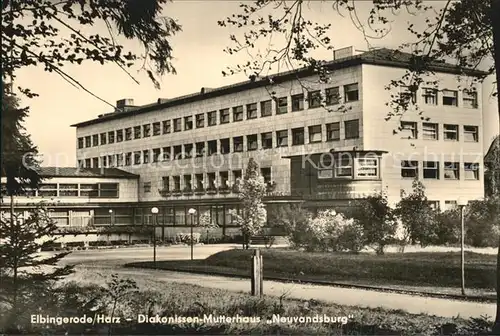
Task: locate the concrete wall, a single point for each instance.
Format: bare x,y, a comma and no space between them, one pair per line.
379,135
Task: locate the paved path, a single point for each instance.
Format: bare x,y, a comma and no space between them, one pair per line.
110,261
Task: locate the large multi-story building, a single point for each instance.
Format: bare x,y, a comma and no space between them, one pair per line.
189,151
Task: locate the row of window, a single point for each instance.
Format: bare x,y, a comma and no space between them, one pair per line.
268,140
212,181
430,96
431,131
432,170
281,105
95,190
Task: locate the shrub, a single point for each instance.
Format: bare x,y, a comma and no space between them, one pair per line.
351,237
185,238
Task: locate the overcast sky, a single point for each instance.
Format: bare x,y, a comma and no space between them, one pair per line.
199,60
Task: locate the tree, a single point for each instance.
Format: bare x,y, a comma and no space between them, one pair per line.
377,219
49,33
251,191
465,32
206,222
418,218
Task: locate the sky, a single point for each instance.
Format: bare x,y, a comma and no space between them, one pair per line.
199,61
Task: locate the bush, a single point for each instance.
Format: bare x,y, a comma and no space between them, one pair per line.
185,238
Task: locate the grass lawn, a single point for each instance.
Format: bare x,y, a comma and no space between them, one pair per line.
433,272
170,299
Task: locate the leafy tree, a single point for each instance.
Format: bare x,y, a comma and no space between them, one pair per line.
418,218
206,222
23,274
251,191
492,170
52,34
377,219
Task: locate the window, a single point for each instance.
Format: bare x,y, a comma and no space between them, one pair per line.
212,147
188,123
95,162
165,183
367,167
104,161
471,133
111,161
167,153
252,142
156,128
297,102
408,130
88,141
80,142
103,138
68,190
48,190
282,105
238,144
211,181
471,171
469,98
351,92
188,186
238,113
200,120
450,98
431,170
314,98
430,131
236,175
315,134
266,174
282,138
224,116
298,136
224,179
128,134
450,132
408,95
147,187
137,132
409,169
351,129
252,111
166,125
87,163
177,183
199,181
332,96
224,146
146,130
119,160
156,154
266,108
188,151
128,159
145,156
430,96
177,124
119,135
333,131
449,205
343,167
200,148
212,118
137,157
267,140
451,171
434,205
95,140
177,152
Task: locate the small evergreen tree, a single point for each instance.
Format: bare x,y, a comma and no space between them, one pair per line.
253,215
418,218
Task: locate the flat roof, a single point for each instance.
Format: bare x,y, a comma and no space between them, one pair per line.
383,57
85,172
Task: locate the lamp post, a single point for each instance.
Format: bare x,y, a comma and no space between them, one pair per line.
462,202
111,216
191,212
154,211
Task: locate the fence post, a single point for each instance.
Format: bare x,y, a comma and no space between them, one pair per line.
257,274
